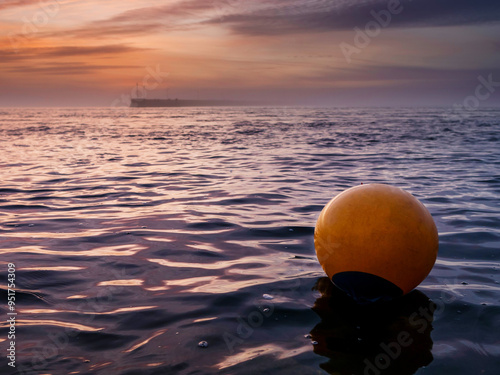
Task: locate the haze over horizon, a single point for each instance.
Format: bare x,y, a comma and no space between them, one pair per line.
316,52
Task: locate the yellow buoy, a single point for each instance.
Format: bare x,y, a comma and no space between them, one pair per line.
376,242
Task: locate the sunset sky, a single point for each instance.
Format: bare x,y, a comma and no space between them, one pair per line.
92,52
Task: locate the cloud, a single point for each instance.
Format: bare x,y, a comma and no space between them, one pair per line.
316,16
7,55
140,21
67,59
105,29
147,20
17,3
65,68
176,10
262,17
67,51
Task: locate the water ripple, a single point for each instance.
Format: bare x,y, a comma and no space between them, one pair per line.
137,234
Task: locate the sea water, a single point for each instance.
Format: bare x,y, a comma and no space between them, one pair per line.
138,234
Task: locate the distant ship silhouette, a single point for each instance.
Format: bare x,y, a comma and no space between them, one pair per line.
144,102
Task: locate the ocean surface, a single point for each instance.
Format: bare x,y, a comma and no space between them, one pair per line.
136,234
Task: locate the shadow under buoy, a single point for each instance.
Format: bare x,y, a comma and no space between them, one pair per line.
382,338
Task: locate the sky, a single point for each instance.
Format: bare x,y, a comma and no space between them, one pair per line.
310,52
